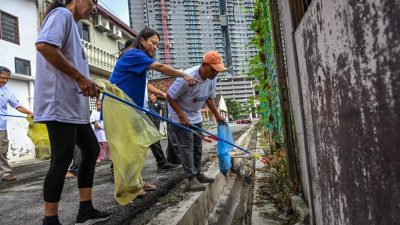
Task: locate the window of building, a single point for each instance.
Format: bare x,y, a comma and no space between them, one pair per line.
9,29
120,45
84,32
22,66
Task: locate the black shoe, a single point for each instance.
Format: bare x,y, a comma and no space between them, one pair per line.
204,179
90,216
46,223
166,166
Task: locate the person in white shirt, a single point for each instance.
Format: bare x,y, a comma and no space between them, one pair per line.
6,97
98,128
184,103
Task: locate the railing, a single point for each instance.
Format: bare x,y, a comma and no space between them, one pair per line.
98,57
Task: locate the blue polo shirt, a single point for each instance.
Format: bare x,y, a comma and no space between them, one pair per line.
6,96
130,75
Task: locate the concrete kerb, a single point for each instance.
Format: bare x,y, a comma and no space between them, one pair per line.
196,206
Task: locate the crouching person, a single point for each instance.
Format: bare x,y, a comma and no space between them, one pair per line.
184,106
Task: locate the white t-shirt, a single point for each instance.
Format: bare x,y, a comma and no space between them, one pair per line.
100,134
191,99
57,95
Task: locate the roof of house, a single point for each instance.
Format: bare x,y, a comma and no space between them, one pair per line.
116,21
163,84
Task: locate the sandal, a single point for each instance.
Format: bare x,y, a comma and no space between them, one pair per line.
149,187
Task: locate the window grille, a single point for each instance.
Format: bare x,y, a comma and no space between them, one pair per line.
22,66
9,29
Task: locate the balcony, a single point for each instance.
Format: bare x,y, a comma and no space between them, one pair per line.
99,60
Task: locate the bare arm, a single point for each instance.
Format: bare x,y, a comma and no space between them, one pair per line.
210,103
165,69
54,56
156,91
24,110
175,106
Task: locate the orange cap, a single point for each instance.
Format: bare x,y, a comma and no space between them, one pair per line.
215,60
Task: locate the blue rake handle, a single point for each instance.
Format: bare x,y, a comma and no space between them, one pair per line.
12,116
173,123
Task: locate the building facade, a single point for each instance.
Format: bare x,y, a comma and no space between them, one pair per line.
195,27
238,88
18,33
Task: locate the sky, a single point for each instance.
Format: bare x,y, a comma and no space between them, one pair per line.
117,7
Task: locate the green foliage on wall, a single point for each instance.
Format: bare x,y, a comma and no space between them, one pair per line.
263,68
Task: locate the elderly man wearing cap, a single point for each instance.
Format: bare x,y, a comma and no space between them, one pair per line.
184,106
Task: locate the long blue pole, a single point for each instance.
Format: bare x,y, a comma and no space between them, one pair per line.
172,122
12,115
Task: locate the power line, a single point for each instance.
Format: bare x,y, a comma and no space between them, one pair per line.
109,9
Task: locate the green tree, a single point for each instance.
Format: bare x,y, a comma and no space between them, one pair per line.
233,108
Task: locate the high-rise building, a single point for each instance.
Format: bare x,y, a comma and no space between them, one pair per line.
189,28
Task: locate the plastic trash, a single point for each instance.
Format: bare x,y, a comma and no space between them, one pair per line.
129,133
37,132
223,148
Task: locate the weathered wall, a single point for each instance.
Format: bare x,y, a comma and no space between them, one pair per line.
296,97
349,67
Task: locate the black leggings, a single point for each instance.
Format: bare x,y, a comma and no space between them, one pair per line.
63,137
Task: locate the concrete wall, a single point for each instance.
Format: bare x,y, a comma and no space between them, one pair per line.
348,60
21,147
296,98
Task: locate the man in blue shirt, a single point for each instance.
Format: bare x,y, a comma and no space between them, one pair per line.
6,96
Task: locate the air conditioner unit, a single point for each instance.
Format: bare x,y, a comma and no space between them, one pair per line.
101,23
115,32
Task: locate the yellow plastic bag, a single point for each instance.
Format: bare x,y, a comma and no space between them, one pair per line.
129,133
37,132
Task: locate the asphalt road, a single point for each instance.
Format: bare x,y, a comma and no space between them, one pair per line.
22,202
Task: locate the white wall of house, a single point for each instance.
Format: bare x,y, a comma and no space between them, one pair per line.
21,147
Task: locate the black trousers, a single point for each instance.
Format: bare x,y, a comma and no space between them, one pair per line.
63,137
156,148
172,148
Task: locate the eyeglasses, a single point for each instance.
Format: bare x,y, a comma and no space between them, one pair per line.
4,78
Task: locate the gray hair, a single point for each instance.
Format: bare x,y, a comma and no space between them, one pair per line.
4,70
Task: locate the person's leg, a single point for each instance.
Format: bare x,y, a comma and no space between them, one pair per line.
184,141
156,149
62,143
172,148
197,154
5,168
197,150
75,161
87,142
106,150
101,152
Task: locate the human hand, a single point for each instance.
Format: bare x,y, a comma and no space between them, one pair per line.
88,87
163,95
96,125
191,80
184,120
221,119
